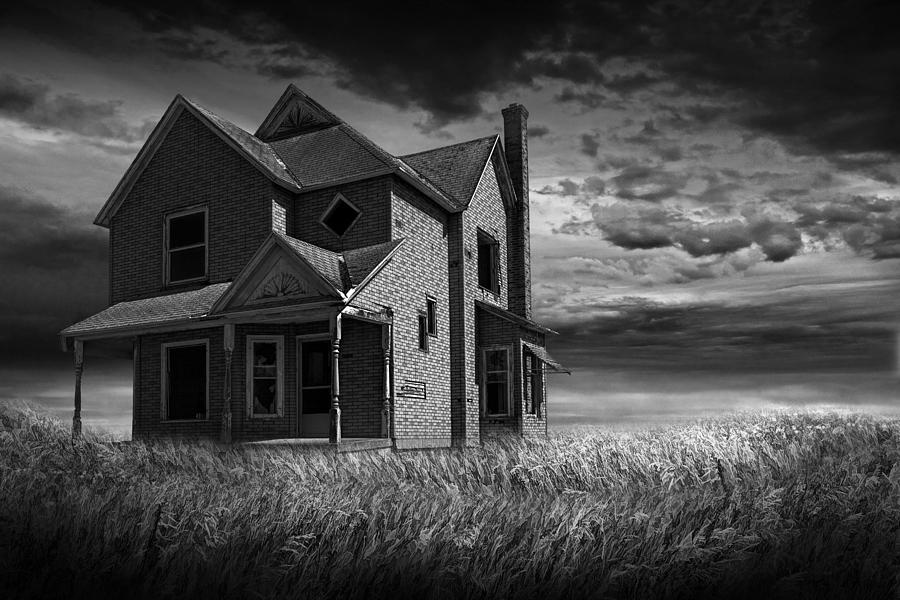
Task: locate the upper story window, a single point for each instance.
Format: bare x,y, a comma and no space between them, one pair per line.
186,245
488,262
431,315
340,215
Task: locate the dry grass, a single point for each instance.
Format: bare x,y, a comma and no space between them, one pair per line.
763,505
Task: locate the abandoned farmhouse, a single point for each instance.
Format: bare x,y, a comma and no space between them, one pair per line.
302,282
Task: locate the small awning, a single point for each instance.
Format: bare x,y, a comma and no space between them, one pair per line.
542,354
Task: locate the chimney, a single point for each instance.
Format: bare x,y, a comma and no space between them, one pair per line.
515,144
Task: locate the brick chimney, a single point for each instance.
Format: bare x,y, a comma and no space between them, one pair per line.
515,144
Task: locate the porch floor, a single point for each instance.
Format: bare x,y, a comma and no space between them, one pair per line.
346,445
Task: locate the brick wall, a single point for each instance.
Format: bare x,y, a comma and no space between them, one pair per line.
193,167
362,378
418,269
488,213
371,196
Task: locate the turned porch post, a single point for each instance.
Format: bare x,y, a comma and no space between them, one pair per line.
334,429
79,368
386,338
228,343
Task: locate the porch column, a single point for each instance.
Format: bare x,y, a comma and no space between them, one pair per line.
334,429
386,338
228,343
79,368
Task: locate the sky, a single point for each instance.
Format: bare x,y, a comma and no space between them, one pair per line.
715,186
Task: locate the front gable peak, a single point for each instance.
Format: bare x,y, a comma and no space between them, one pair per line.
293,114
276,275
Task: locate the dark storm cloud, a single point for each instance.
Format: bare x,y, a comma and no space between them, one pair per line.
648,183
36,233
785,333
54,273
538,131
588,99
34,104
589,144
644,225
821,75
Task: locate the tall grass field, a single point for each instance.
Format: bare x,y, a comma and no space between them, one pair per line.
782,505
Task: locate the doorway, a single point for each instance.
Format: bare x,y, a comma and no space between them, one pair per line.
314,381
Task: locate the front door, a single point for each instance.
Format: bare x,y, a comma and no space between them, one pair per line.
315,387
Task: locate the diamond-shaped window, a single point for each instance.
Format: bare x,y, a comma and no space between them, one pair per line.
340,215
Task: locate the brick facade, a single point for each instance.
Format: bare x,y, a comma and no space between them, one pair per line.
192,167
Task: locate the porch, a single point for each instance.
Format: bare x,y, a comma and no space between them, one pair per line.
308,374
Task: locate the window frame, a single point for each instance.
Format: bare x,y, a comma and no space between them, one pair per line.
431,315
533,381
164,378
167,251
339,197
486,239
279,375
422,331
509,381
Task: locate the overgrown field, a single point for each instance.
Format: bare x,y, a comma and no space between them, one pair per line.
758,506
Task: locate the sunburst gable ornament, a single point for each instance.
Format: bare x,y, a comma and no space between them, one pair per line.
281,285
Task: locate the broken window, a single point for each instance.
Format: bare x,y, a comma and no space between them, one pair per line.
340,215
186,234
265,375
495,381
488,262
185,385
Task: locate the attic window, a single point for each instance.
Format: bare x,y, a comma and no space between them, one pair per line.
340,215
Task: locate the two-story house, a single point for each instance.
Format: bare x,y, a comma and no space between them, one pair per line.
303,282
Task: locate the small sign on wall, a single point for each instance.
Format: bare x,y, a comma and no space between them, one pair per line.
412,389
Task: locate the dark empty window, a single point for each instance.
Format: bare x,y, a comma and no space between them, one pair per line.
495,384
186,246
423,332
186,382
340,215
432,315
488,263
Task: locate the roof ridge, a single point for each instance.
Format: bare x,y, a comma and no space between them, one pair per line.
480,139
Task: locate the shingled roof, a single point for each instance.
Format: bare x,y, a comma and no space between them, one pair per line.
455,169
149,312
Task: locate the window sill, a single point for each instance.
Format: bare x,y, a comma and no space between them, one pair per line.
184,420
185,282
266,417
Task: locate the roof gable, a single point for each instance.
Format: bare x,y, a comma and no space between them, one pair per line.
258,153
294,113
280,273
457,169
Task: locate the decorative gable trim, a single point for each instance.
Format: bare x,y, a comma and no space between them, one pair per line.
249,288
178,106
294,113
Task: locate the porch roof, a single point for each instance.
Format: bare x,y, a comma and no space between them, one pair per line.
511,316
542,354
149,312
